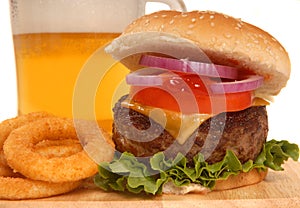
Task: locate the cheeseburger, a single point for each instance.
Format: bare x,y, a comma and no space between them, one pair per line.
195,118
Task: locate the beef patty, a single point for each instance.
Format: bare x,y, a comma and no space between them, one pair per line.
244,132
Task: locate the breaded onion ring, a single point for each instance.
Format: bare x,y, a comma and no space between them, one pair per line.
6,127
20,154
11,124
16,186
5,170
24,188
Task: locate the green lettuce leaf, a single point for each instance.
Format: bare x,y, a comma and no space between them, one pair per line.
127,173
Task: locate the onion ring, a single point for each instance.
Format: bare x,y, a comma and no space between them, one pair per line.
7,126
16,186
5,170
24,188
20,155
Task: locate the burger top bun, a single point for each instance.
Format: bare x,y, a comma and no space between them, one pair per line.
206,36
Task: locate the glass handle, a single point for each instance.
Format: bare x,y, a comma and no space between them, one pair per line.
173,4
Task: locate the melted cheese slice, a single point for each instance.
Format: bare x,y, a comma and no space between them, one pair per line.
180,126
259,102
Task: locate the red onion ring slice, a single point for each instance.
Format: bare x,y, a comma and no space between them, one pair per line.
250,83
183,65
156,77
145,77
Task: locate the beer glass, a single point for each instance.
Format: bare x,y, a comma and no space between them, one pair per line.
53,39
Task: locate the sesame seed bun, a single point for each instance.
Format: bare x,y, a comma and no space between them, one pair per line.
223,39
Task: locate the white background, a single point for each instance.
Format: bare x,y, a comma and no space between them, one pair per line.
278,17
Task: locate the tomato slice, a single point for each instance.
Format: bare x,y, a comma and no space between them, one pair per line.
190,95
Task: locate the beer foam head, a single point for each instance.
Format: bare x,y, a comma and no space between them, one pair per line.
35,16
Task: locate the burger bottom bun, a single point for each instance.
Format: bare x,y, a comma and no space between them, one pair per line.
234,181
240,180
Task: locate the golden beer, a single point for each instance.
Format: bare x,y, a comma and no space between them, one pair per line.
55,41
48,65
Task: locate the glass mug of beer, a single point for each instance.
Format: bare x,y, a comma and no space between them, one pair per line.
53,39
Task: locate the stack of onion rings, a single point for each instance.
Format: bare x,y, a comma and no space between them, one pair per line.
19,152
41,156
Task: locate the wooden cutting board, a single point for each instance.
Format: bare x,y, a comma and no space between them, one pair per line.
279,189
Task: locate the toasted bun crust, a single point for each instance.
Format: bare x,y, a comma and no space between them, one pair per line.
224,39
240,180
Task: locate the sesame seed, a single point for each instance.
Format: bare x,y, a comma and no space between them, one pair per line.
240,22
226,16
269,50
161,27
184,14
147,22
253,36
163,16
256,41
239,25
211,16
189,32
191,26
212,24
193,20
155,16
261,36
227,35
171,22
202,16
